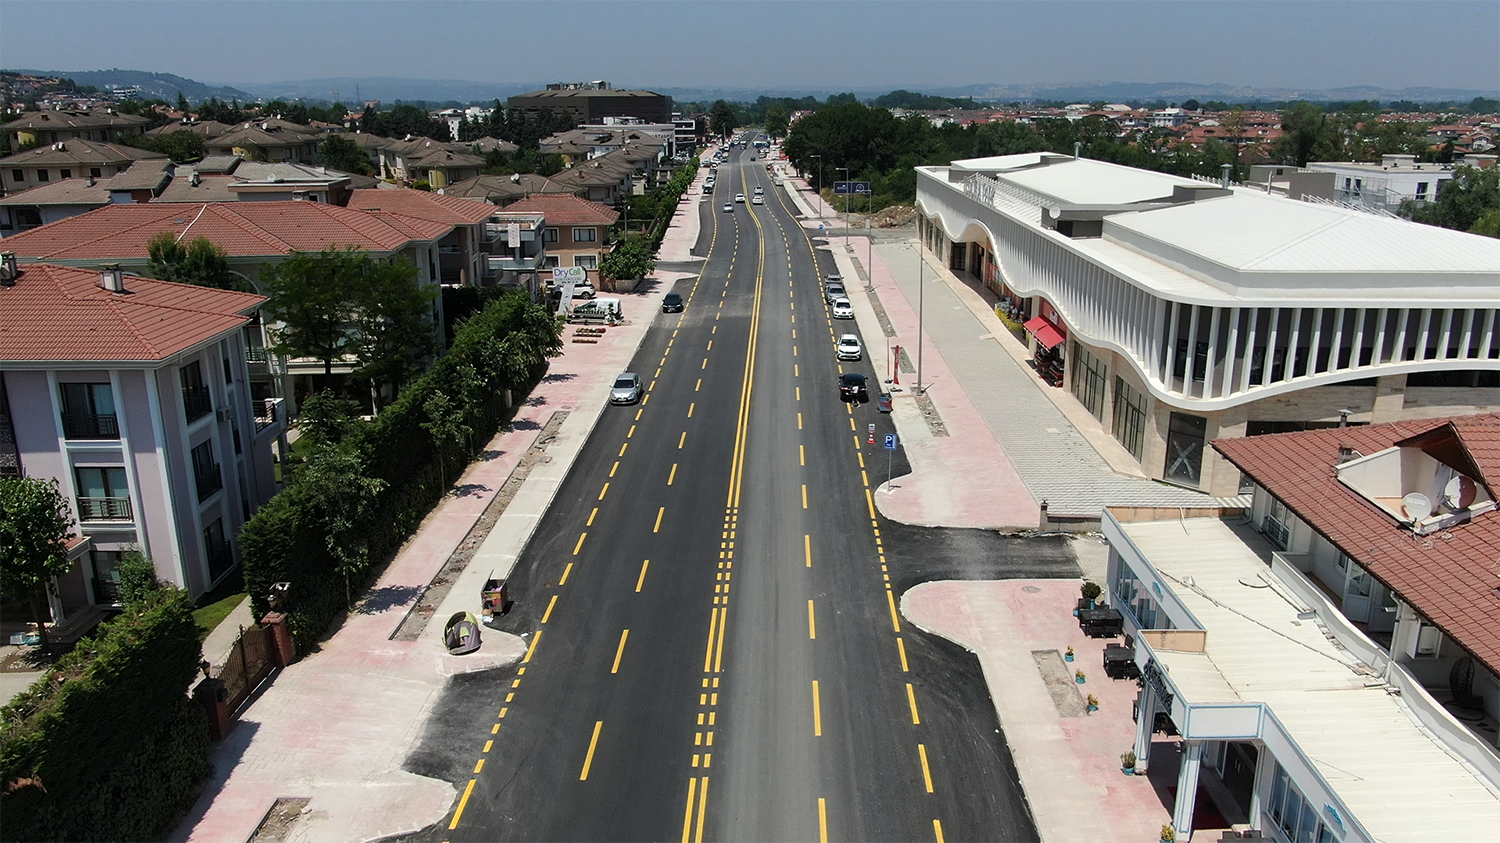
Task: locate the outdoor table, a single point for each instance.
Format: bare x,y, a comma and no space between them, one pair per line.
1119,662
1102,622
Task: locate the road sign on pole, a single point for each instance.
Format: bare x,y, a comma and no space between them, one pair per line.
856,188
890,442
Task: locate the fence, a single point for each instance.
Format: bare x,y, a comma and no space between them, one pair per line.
250,661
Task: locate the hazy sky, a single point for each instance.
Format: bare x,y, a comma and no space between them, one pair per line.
762,43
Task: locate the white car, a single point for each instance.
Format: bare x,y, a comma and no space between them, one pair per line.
728,207
758,200
849,348
759,190
842,309
740,198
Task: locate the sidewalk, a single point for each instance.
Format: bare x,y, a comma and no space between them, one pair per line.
336,726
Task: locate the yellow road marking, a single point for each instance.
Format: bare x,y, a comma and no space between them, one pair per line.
719,652
566,571
479,765
673,475
926,773
614,468
705,364
822,820
581,537
620,651
589,759
687,817
462,803
547,614
870,501
622,449
659,513
489,744
681,439
536,636
799,421
812,624
799,393
807,549
796,371
911,699
603,491
640,410
804,496
817,712
642,580
937,831
801,455
699,385
890,598
710,345
708,655
690,409
702,809
631,432
901,645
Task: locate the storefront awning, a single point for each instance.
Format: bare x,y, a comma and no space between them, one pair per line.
1045,334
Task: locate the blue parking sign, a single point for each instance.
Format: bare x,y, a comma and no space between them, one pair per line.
890,441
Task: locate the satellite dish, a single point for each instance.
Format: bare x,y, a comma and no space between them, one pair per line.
1416,506
1459,493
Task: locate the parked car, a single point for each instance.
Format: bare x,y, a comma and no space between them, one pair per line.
833,278
627,389
708,187
584,290
671,303
834,290
852,388
849,348
842,309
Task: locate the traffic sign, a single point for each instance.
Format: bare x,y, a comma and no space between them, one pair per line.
858,188
890,442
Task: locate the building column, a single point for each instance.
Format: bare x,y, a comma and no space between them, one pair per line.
1390,399
1145,719
1187,789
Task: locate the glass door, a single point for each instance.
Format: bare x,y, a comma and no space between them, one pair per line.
1185,435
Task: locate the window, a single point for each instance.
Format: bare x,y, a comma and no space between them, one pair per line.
1421,190
1295,815
1088,381
551,262
585,235
549,235
1185,435
220,558
206,471
95,173
102,494
1277,526
65,174
1129,417
41,175
18,175
88,411
586,261
196,402
106,575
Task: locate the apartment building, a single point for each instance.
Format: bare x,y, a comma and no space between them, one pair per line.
134,395
464,251
270,141
577,230
49,127
1384,186
63,160
1178,311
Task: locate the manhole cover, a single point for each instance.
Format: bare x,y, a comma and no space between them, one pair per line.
1030,589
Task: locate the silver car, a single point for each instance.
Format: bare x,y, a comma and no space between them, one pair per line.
627,389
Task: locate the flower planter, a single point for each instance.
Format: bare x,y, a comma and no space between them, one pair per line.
1068,657
1078,679
1093,708
1129,771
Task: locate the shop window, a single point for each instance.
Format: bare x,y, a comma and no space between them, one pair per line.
1088,381
1130,417
1185,436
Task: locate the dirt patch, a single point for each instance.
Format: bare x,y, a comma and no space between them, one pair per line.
278,823
930,414
1058,677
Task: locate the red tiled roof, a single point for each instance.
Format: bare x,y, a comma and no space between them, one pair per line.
1449,577
453,210
567,209
242,229
62,313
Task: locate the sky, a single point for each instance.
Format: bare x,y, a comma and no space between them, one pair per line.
854,45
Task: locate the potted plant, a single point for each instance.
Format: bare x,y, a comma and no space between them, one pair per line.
1093,703
1091,592
1127,762
1078,676
1068,656
1168,834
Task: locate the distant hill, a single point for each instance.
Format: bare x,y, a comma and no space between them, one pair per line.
1179,91
389,89
163,85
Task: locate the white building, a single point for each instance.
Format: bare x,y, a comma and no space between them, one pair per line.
1386,185
1178,311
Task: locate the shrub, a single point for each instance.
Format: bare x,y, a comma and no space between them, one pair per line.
108,746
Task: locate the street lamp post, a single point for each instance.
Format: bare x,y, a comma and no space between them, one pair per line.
820,188
845,171
921,300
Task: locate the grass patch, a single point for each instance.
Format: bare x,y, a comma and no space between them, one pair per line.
210,615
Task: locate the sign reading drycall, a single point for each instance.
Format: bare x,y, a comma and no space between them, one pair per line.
566,278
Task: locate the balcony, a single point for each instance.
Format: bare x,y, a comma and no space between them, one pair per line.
104,509
268,412
196,402
508,263
255,355
210,480
90,426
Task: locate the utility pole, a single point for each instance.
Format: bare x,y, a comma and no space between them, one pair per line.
820,188
921,300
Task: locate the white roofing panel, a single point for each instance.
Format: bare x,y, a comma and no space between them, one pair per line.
1399,780
1087,182
1001,162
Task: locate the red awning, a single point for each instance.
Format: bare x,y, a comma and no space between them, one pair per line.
1046,335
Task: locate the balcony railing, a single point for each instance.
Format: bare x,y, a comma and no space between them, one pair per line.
210,481
104,509
196,402
266,412
255,355
90,426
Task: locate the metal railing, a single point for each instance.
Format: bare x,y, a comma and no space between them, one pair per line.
104,509
255,355
196,402
265,412
210,481
91,426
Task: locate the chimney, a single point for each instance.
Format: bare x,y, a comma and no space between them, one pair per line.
1226,168
8,271
111,278
89,181
1346,452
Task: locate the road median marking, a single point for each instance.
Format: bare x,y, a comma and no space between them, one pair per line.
817,711
588,760
642,579
620,652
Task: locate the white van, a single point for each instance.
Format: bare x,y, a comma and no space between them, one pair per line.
597,310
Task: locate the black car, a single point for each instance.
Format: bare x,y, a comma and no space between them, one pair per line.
852,388
671,303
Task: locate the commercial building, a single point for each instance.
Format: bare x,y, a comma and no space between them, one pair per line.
1178,311
134,395
591,102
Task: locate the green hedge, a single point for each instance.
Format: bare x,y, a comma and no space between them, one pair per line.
109,746
504,346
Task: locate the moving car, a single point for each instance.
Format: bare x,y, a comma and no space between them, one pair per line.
759,190
852,388
758,200
671,303
842,309
834,290
849,348
740,198
728,207
627,389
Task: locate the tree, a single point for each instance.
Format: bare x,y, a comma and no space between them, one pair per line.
1310,136
35,525
630,259
1463,203
182,103
445,421
325,418
393,318
776,120
200,263
137,577
339,152
345,495
722,119
310,298
181,146
1487,225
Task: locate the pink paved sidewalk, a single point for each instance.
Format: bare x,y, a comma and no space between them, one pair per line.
337,725
1069,766
944,488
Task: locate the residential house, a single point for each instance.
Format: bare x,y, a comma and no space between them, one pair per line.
206,128
463,253
134,395
439,163
601,180
68,159
504,190
517,250
142,182
577,230
49,127
587,142
253,235
268,140
1178,311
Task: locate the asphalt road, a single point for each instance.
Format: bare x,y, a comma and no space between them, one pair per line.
711,601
